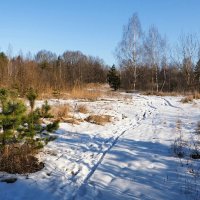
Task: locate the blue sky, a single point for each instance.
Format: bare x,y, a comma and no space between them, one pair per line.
91,26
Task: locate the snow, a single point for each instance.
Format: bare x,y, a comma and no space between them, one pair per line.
129,158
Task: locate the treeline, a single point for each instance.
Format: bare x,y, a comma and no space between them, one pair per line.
148,62
171,78
49,72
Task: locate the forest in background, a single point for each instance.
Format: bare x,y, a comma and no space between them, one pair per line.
49,72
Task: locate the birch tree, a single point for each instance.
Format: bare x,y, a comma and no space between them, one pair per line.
153,46
128,50
188,50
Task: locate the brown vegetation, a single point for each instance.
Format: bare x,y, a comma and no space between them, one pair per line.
49,73
61,111
84,93
17,158
72,120
99,119
82,109
189,98
196,95
64,113
162,93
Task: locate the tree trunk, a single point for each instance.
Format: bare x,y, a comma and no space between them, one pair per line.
164,72
156,79
152,81
135,78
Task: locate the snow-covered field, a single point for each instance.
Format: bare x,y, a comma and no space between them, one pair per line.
130,158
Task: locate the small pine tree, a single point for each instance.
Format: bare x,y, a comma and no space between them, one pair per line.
113,78
45,110
31,96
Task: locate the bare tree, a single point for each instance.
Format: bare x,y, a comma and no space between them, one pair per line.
188,48
9,54
45,56
129,49
153,46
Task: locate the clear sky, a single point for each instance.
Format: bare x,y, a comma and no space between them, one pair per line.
91,26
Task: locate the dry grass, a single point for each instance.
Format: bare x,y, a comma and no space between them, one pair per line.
190,97
147,93
82,109
60,111
96,86
53,95
90,92
112,94
196,95
63,113
99,119
72,120
16,158
187,99
79,93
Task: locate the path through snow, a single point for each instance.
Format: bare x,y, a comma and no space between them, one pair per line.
130,158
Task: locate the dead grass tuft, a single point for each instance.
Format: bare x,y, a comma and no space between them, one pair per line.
99,119
63,113
187,99
82,109
60,111
72,120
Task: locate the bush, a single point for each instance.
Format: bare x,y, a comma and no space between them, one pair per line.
18,143
99,119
